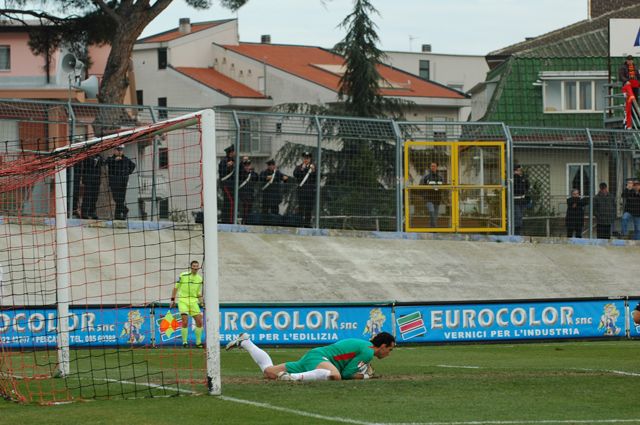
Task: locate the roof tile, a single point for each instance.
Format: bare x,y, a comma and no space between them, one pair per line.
219,82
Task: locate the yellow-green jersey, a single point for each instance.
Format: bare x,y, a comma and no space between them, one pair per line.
189,287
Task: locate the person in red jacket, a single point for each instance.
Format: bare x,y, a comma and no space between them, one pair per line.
630,78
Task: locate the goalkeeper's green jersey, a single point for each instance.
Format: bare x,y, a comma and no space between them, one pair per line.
348,355
189,286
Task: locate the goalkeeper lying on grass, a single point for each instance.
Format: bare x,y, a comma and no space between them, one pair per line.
346,359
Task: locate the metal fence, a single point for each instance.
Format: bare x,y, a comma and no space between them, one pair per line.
359,179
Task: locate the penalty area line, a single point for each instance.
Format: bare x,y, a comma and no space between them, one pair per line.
357,422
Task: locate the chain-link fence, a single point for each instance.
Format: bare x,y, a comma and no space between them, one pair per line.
347,173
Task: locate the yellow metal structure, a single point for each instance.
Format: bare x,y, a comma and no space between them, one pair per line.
468,193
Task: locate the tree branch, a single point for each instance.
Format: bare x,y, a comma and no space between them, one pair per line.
12,14
107,10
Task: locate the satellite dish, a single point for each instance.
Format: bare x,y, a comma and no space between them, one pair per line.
90,87
69,62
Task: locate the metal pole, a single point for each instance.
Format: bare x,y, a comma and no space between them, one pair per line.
399,176
63,290
509,177
210,272
71,131
154,165
318,174
236,166
592,183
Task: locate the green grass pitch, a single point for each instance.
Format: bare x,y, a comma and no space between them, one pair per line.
541,383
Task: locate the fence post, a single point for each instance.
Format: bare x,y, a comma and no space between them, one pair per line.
509,177
318,173
236,166
592,183
399,176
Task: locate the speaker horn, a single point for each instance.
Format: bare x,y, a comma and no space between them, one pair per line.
89,87
69,63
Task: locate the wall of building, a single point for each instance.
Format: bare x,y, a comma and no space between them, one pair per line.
196,49
520,102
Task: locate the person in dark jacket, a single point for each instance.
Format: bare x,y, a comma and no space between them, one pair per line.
574,219
520,197
226,170
305,174
272,180
631,198
434,194
246,187
120,167
91,170
604,209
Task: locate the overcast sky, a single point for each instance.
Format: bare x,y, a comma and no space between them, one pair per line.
450,26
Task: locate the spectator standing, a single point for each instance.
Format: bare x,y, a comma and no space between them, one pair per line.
91,170
520,197
574,219
120,167
272,180
434,195
631,198
248,177
305,174
604,209
629,76
226,170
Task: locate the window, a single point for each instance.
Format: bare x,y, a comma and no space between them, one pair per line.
163,208
163,158
424,70
572,92
162,104
139,97
5,58
162,58
249,135
580,177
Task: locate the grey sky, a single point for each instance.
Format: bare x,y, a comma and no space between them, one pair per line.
450,26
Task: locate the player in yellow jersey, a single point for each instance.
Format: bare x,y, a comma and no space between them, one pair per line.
346,359
188,288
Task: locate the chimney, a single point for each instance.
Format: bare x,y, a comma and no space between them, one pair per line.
426,48
185,26
265,39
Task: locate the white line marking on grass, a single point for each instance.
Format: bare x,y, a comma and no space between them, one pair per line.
358,422
458,367
615,372
296,412
144,384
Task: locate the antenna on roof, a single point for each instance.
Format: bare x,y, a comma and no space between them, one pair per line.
411,38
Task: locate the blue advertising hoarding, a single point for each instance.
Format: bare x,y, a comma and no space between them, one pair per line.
318,325
511,321
634,307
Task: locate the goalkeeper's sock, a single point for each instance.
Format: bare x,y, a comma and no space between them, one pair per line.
258,355
312,375
185,334
198,332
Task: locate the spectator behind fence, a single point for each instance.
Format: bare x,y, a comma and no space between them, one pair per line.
271,188
226,169
574,220
629,76
604,209
305,174
631,199
120,167
248,177
434,195
520,197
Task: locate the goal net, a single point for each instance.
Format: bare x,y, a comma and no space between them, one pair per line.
94,234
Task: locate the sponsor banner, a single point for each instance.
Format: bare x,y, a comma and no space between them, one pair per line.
267,325
634,312
494,322
304,325
624,36
38,327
